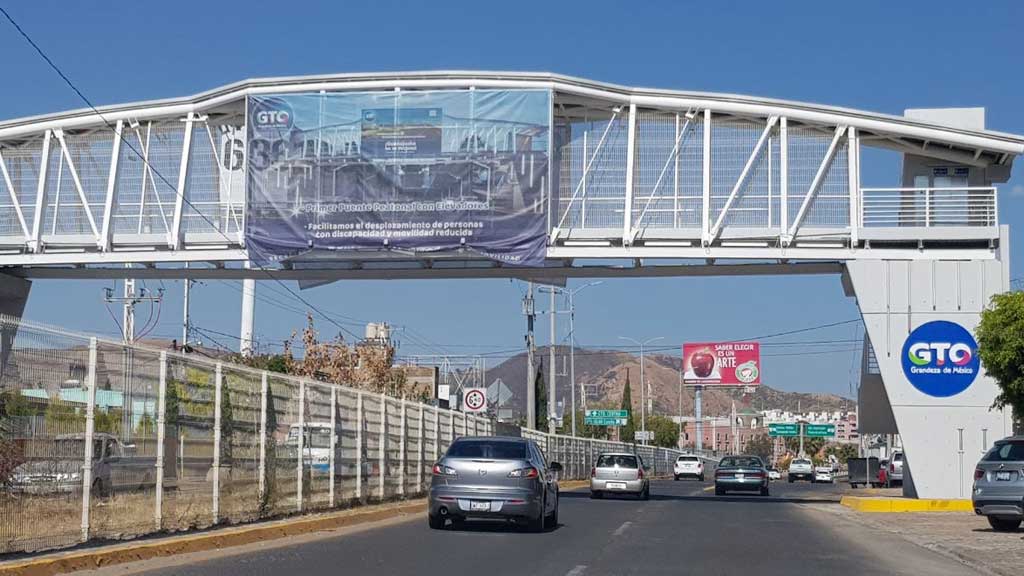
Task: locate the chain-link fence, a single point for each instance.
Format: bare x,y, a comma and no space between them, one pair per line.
108,441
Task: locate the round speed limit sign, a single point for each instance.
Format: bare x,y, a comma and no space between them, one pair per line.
474,400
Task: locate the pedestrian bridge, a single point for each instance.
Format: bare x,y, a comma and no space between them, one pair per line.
636,174
599,180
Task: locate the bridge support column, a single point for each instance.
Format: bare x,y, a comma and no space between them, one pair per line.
943,436
13,297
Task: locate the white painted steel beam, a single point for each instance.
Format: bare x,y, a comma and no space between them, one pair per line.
853,183
174,238
110,204
627,209
36,244
819,176
784,181
742,179
705,213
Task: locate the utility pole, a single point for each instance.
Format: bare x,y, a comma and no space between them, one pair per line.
551,370
698,418
245,344
680,402
643,384
531,371
732,429
572,359
185,314
129,300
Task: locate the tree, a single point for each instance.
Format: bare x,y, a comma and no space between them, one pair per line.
666,432
540,398
761,445
842,452
629,429
812,445
1001,350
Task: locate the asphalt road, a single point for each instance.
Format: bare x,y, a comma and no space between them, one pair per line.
682,529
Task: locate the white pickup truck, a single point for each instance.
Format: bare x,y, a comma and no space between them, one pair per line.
801,469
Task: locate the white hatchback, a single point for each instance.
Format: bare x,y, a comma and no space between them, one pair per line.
688,467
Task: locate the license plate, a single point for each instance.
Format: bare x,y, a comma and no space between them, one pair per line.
480,506
739,476
616,485
1002,475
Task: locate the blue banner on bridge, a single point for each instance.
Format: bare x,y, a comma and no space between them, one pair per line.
430,171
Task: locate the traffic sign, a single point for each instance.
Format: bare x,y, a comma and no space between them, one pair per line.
783,429
474,400
607,413
606,417
820,430
641,435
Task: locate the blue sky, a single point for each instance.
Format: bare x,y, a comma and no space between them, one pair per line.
880,56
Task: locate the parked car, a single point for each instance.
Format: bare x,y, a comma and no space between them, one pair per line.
55,466
774,474
494,477
801,469
894,470
999,485
688,466
823,474
741,473
619,473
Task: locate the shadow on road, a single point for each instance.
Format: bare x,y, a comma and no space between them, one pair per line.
494,527
752,498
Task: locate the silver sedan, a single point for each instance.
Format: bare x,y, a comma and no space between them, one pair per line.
619,473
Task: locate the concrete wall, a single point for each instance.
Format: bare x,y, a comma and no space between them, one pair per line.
13,297
895,297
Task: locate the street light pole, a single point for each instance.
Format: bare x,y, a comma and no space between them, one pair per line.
572,340
643,383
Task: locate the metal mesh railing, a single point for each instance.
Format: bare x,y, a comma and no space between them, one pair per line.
183,442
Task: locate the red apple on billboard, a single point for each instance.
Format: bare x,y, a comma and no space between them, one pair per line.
703,363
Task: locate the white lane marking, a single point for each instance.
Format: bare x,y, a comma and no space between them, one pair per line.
577,571
619,531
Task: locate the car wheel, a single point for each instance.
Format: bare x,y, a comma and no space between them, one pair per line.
675,477
594,494
719,491
1003,524
646,494
552,520
701,477
764,491
536,524
435,522
790,479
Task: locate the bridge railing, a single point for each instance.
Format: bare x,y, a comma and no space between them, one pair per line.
929,207
184,442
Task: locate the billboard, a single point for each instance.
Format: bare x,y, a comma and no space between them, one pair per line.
722,363
415,172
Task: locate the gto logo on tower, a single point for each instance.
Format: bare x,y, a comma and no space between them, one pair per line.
940,358
272,114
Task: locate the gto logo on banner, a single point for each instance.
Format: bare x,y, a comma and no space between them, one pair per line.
726,363
940,358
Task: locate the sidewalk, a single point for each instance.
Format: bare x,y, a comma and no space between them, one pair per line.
961,535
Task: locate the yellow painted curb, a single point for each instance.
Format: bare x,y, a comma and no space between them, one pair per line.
896,505
63,562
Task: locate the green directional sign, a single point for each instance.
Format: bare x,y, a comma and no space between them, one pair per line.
606,417
820,430
783,429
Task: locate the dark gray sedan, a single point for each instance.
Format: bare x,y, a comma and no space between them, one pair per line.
999,485
494,477
741,474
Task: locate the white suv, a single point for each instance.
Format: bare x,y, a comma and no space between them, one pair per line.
688,467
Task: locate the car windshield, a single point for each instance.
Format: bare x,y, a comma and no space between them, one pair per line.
802,462
488,450
616,461
897,457
688,459
1006,452
741,462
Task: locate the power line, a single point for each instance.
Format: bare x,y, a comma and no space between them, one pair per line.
127,143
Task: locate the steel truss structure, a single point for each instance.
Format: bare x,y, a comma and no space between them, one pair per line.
643,175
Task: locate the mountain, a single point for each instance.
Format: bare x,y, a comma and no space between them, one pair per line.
605,373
